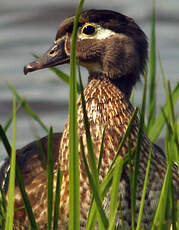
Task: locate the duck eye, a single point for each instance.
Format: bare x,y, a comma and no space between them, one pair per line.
88,30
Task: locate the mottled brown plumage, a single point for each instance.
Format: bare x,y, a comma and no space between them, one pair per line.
115,56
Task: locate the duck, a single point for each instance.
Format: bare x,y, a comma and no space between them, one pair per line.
114,50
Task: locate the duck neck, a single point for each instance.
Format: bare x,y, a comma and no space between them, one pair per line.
124,83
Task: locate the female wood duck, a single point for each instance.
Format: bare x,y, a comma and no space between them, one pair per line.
114,50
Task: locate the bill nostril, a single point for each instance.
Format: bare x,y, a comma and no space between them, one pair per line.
53,50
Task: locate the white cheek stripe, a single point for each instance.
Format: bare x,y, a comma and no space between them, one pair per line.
58,40
65,45
101,33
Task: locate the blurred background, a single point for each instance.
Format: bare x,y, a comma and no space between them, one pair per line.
28,27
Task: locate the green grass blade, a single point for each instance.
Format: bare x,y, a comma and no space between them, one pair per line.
159,218
163,75
155,130
131,177
132,98
11,188
174,210
177,214
159,123
137,154
27,108
168,94
8,123
104,188
2,210
124,137
114,203
171,104
5,141
57,199
163,208
152,88
144,190
101,150
74,199
50,179
25,198
91,154
173,124
170,147
20,182
63,76
92,217
95,191
99,165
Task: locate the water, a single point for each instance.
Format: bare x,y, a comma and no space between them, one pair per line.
28,27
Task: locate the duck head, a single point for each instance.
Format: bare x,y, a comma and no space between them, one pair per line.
109,44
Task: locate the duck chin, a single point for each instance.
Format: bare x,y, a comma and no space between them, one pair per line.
91,66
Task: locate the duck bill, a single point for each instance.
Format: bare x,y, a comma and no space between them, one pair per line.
56,55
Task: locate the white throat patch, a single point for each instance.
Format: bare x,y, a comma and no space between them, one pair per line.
101,33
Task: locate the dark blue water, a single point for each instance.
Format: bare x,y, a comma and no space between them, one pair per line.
28,27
